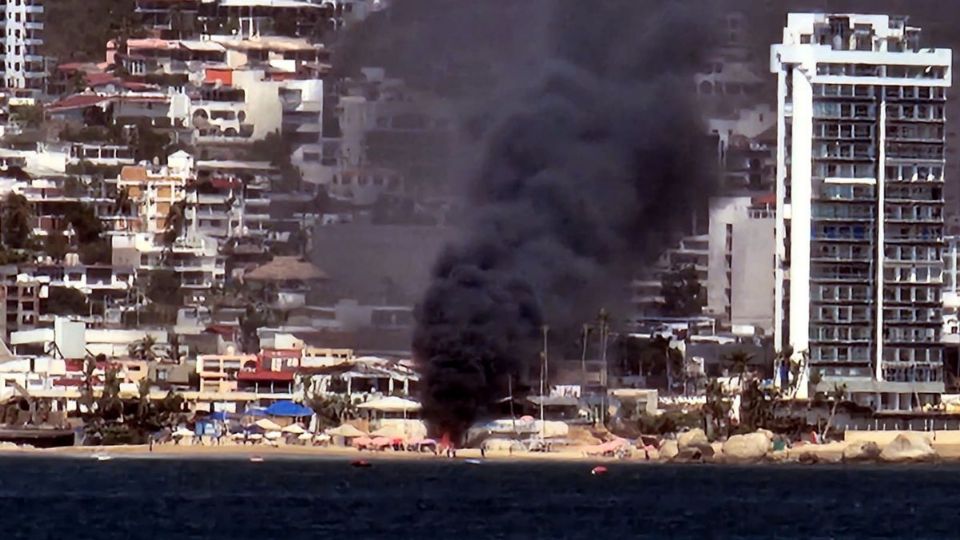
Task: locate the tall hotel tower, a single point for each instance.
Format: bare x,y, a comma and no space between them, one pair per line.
859,228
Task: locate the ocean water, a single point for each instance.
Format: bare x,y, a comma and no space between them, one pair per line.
63,498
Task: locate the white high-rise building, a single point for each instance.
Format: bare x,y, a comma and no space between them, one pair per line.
23,62
859,230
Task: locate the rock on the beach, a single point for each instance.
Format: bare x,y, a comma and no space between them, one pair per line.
695,438
669,449
690,454
861,451
908,447
717,448
749,447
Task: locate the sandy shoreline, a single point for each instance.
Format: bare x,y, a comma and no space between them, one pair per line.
827,453
233,451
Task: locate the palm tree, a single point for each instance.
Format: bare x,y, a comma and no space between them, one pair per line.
122,203
17,215
716,406
143,349
837,395
661,347
739,362
176,221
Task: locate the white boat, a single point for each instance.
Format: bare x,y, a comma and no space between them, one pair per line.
102,457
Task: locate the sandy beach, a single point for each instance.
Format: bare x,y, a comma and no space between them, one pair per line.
827,453
236,451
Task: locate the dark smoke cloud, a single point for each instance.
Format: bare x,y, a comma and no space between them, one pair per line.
588,158
581,179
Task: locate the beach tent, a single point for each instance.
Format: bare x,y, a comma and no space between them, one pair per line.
346,431
391,404
267,425
390,430
289,408
296,429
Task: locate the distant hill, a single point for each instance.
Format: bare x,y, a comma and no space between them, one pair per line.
79,29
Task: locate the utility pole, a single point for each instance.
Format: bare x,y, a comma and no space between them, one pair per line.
604,319
544,366
513,417
583,360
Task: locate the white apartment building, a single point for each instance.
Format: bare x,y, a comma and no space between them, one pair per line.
739,277
860,180
23,62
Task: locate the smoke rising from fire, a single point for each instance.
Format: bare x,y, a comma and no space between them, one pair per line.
587,149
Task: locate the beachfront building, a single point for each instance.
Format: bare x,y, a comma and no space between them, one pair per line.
859,228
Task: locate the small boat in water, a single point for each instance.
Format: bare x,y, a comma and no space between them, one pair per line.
360,463
256,459
472,461
102,457
599,470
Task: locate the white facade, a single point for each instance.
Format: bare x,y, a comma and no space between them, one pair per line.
860,197
23,62
739,276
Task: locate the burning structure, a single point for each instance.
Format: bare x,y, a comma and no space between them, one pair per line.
583,176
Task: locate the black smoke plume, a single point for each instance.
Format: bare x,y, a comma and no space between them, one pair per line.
589,159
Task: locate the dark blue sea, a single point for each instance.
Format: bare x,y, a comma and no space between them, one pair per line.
63,498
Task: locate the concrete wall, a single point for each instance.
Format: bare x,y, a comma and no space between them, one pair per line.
262,102
752,277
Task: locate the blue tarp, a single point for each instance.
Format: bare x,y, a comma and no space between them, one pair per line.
255,412
288,408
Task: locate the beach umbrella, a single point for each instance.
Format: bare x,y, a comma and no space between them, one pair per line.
296,429
362,442
305,436
323,437
391,404
272,435
267,425
346,431
381,442
390,430
289,408
254,437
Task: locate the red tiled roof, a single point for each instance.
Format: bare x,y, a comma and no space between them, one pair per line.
133,174
77,101
99,79
280,376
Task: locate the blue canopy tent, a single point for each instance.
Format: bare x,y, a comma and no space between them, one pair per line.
289,408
